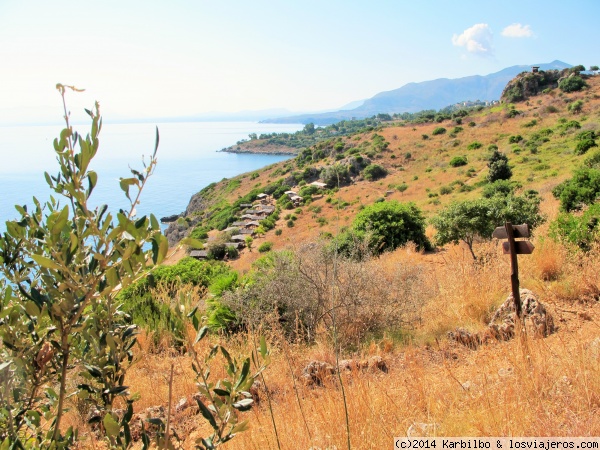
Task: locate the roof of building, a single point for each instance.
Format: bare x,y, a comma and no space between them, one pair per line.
318,184
251,217
199,254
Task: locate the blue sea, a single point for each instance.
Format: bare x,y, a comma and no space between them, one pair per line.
188,160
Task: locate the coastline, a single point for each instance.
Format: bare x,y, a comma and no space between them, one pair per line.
260,147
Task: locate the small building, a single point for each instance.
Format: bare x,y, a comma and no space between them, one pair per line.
318,184
263,198
296,200
246,205
238,224
251,217
246,232
236,245
290,193
199,254
252,224
535,69
238,238
268,209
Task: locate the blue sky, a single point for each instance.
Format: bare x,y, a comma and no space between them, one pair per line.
157,58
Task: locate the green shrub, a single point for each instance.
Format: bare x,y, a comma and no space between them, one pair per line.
500,187
580,190
439,130
571,124
576,106
515,139
571,84
278,232
232,252
402,187
374,172
265,247
593,160
581,231
391,224
445,190
474,145
512,112
458,161
583,146
499,168
322,221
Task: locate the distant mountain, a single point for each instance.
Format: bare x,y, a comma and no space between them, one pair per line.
434,94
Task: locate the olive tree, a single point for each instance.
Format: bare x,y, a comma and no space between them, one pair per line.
64,261
469,220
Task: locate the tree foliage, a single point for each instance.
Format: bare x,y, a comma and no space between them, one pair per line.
499,168
571,84
391,224
581,231
458,161
64,262
580,190
374,172
469,220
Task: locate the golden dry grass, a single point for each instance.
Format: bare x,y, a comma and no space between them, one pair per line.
539,387
548,387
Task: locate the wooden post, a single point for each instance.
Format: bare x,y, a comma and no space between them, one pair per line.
514,268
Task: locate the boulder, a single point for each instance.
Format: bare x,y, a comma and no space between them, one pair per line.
538,322
316,372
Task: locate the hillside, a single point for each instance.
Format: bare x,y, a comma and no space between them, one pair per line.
415,338
434,94
322,307
540,160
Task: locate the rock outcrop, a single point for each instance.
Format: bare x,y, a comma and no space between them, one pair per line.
537,321
529,84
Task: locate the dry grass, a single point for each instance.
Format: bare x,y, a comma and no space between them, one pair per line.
548,387
539,387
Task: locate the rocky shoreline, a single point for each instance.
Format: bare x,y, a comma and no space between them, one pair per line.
260,147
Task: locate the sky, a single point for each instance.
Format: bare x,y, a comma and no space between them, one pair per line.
149,59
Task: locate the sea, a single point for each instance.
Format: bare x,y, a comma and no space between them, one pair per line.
189,158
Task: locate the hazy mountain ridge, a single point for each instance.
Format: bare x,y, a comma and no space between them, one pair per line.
433,94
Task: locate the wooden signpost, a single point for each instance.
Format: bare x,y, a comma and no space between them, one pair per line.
514,248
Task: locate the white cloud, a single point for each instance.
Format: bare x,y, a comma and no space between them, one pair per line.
477,40
516,30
